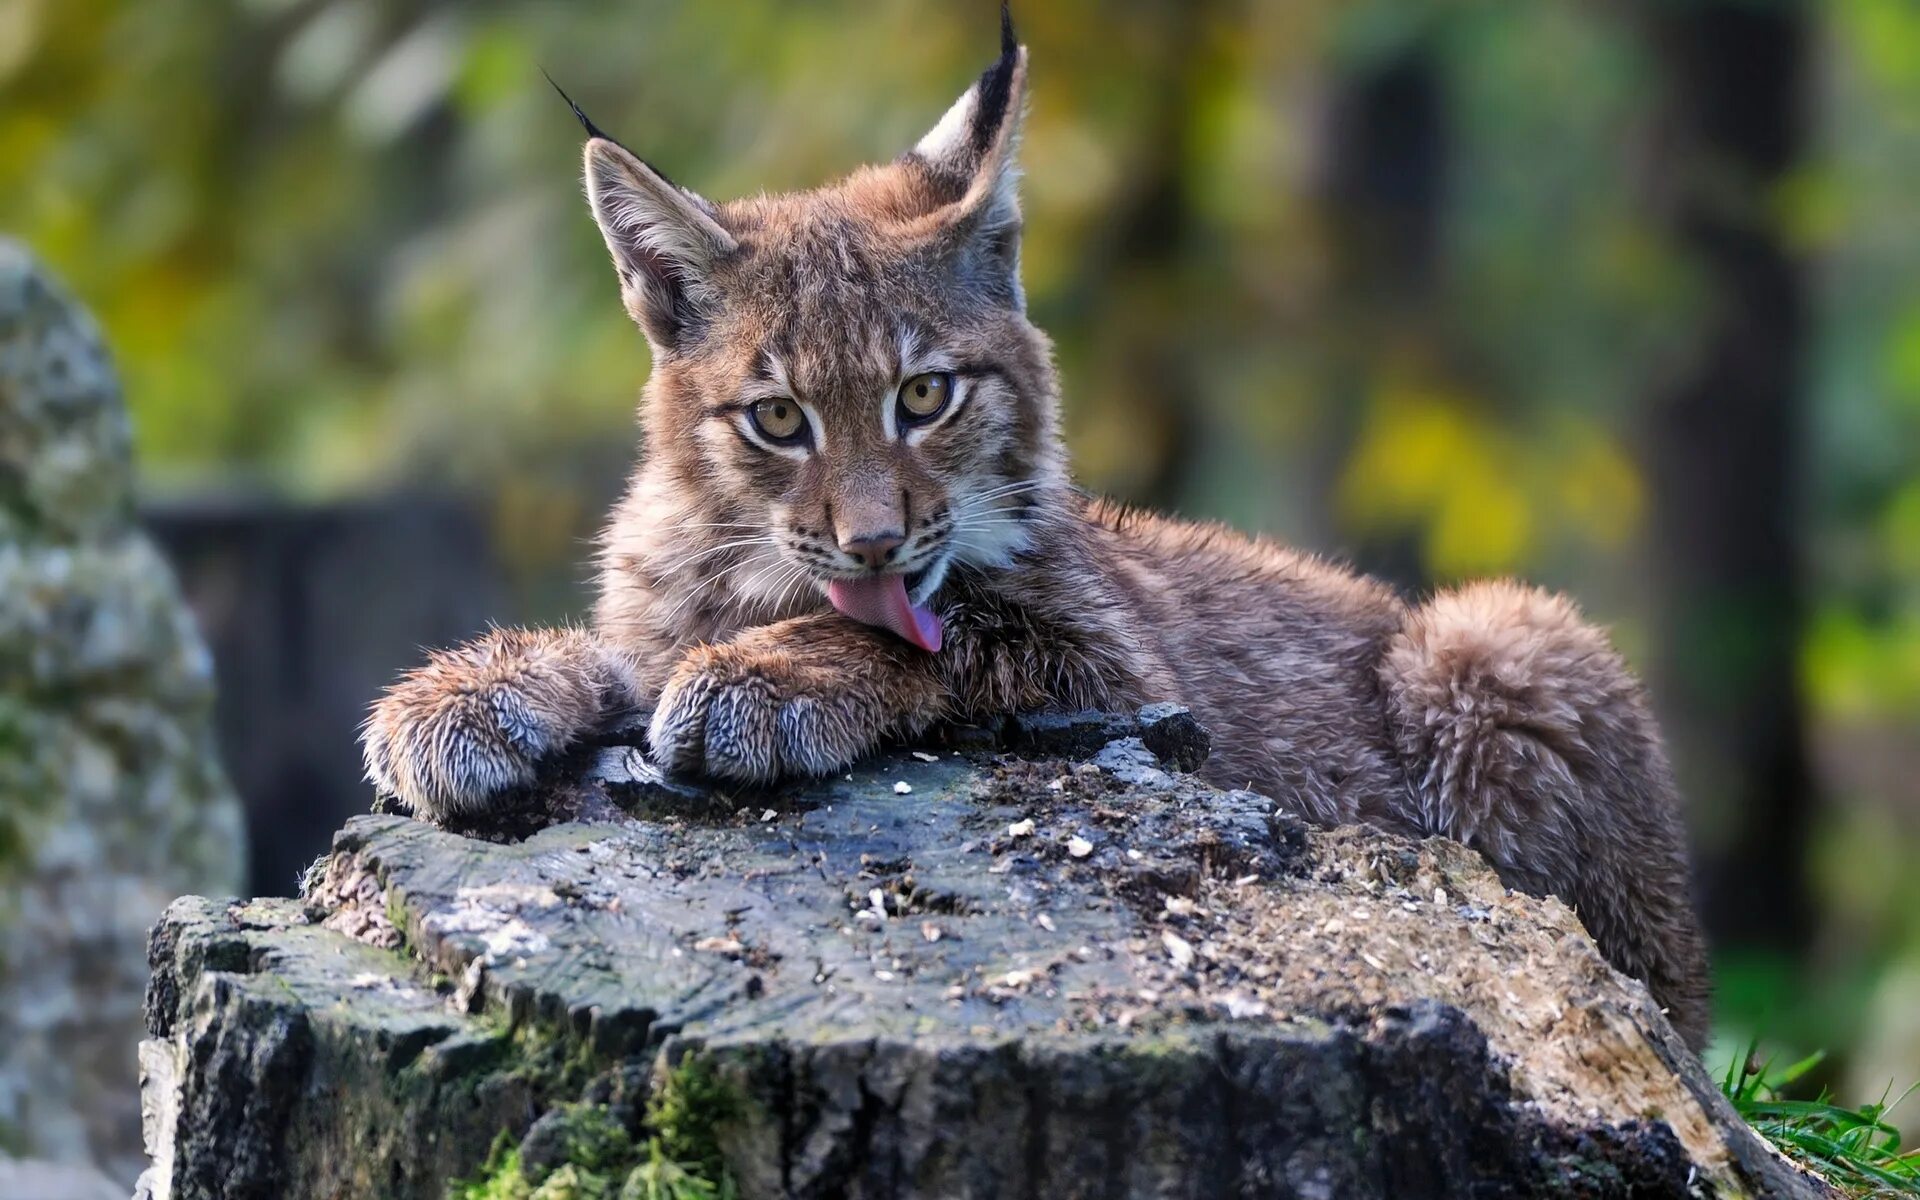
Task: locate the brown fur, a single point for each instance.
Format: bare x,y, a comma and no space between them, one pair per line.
1490,714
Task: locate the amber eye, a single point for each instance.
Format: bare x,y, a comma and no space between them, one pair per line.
923,396
778,420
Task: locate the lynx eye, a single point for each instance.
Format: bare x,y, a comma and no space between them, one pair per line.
778,419
923,397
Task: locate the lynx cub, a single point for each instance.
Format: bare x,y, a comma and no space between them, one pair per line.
852,516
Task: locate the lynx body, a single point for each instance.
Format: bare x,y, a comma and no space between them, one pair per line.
852,517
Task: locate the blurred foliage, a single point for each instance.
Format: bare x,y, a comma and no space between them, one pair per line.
339,243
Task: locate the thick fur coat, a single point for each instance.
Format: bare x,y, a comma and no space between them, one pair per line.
851,456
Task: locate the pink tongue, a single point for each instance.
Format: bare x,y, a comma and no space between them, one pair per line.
882,600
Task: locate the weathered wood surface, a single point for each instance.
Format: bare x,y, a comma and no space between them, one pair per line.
1019,974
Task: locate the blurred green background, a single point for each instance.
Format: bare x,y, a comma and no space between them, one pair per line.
1622,297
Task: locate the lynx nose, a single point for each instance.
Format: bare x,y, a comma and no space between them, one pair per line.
875,551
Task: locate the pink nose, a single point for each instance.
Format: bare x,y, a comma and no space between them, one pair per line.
875,552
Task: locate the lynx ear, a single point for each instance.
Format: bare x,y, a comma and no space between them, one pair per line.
664,240
969,158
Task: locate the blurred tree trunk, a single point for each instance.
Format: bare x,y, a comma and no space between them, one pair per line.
311,610
1144,331
1381,191
1722,434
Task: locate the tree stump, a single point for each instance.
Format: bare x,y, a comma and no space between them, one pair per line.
1036,961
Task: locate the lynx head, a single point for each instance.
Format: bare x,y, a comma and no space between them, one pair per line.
844,379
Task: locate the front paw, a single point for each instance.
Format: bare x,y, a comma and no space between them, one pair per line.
755,717
473,726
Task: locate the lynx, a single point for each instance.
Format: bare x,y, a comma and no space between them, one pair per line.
852,517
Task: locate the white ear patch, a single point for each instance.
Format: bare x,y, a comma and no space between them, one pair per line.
973,140
947,142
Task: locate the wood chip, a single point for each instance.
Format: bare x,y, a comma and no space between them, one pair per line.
1179,948
1241,1007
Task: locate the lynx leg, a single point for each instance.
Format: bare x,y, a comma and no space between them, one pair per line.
471,726
1525,737
799,698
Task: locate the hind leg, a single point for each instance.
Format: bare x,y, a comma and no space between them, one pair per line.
1525,737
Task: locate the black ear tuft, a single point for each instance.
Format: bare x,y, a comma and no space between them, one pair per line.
594,131
996,84
586,122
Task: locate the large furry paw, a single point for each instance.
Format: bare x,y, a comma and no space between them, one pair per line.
757,715
472,726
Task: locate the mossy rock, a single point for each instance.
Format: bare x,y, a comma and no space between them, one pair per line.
112,800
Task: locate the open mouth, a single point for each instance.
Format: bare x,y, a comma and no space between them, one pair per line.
887,601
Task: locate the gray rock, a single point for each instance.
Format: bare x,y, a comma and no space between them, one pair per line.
111,800
1023,976
1175,736
1170,732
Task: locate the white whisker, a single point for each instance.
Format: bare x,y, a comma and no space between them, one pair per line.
697,555
1004,490
702,586
792,590
776,565
995,517
798,581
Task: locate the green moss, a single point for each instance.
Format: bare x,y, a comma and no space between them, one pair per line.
598,1159
606,1155
499,1179
686,1111
397,917
660,1178
572,1182
555,1060
594,1140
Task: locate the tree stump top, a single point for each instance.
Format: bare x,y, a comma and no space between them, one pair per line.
1053,965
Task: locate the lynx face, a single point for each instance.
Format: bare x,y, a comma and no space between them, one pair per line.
845,382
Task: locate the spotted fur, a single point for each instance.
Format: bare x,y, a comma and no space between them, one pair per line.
1491,714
